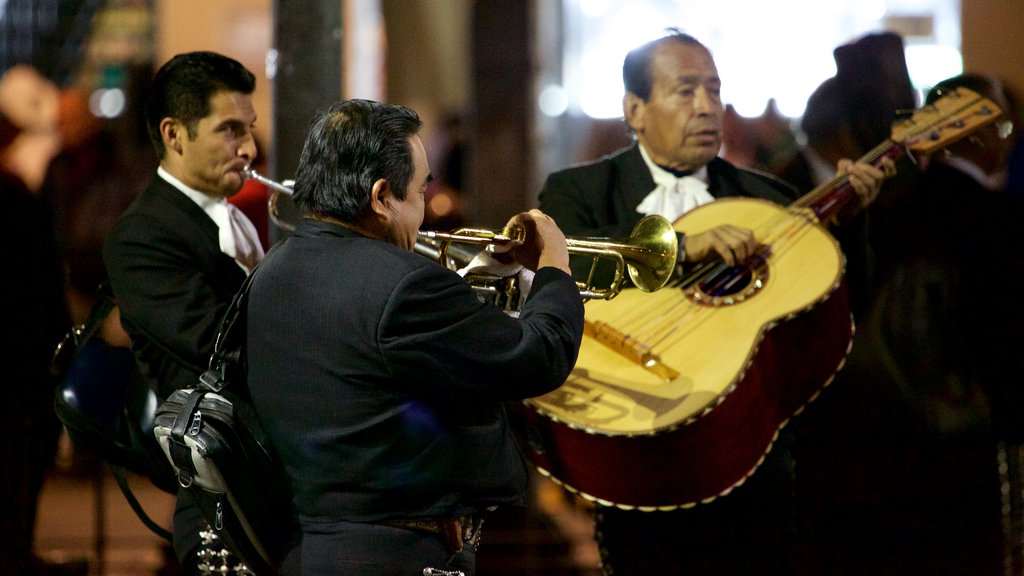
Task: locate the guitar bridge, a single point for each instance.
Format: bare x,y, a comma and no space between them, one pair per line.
629,348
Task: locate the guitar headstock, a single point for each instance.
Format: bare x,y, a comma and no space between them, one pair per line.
955,115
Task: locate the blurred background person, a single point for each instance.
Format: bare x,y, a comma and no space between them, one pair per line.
825,135
902,473
36,317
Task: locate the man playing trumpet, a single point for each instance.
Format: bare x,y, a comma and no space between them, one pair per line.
379,374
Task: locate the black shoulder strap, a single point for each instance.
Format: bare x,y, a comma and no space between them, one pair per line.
227,349
78,335
121,476
180,452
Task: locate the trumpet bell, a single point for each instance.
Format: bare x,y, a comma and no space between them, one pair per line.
648,255
657,250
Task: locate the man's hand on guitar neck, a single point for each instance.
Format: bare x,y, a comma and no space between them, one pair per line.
866,181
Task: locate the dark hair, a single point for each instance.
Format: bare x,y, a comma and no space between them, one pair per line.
349,147
826,111
986,86
636,68
183,86
875,83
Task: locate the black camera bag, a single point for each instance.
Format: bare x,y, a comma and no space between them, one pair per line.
213,438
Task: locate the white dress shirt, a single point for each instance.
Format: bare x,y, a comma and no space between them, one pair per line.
237,235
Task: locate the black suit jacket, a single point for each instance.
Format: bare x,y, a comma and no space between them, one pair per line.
172,283
380,376
600,198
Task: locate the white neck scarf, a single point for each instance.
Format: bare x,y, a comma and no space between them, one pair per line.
674,196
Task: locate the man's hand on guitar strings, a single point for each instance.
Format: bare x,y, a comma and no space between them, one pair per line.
733,243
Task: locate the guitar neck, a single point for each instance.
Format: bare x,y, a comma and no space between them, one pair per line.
952,117
827,200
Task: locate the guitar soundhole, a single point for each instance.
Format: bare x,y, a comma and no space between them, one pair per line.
728,284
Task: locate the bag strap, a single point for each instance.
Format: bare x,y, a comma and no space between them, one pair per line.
99,311
121,475
76,336
230,337
186,420
74,340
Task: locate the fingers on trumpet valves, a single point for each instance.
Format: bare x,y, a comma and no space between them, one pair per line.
508,239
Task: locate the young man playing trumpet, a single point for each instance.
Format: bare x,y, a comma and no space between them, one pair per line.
178,254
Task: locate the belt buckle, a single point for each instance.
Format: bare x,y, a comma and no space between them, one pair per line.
471,526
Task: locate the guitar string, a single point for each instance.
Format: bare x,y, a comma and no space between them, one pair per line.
786,234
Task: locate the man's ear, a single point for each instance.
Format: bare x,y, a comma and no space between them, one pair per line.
633,110
380,194
172,132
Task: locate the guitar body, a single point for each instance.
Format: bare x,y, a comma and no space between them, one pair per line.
736,368
678,394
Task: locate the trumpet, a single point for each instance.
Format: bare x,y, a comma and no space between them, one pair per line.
648,256
277,188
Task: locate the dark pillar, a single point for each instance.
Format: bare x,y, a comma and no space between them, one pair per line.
501,159
307,58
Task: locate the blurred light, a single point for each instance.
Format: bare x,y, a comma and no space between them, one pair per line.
792,105
595,8
929,64
873,9
600,89
790,62
441,204
749,104
598,103
107,102
600,92
270,64
553,100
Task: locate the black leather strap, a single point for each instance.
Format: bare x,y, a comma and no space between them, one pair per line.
181,454
121,475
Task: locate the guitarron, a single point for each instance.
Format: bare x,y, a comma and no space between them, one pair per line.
678,395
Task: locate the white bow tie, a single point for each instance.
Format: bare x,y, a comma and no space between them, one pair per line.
672,199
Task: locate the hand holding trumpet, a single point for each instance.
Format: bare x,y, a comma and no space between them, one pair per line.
543,243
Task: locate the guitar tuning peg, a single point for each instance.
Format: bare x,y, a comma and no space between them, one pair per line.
904,113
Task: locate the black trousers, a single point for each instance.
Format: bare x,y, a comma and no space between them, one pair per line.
333,548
